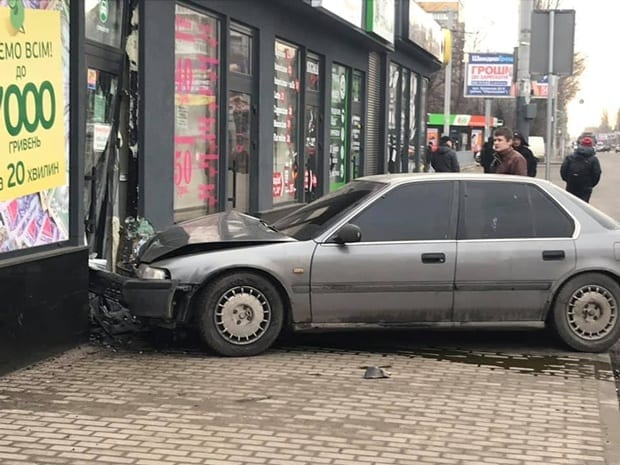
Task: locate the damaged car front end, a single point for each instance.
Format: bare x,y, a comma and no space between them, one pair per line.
149,285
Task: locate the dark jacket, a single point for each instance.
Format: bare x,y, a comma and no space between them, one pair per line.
486,155
524,149
581,171
512,162
444,160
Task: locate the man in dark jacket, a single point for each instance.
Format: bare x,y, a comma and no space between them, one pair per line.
519,143
581,170
444,160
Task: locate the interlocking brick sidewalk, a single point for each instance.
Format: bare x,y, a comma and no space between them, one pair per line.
307,405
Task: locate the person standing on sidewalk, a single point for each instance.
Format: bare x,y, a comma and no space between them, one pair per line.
510,161
444,158
581,170
486,155
519,143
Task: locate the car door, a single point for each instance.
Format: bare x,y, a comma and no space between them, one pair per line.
402,270
514,243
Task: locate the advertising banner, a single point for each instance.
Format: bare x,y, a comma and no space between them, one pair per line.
34,195
489,75
540,87
380,18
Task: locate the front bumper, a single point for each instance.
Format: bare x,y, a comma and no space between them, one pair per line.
144,298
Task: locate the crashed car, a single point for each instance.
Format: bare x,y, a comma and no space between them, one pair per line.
390,251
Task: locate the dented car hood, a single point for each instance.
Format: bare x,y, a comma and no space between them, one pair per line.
211,232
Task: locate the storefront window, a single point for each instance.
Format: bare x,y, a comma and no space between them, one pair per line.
196,129
339,127
357,128
393,116
413,88
240,51
34,160
285,131
104,21
312,122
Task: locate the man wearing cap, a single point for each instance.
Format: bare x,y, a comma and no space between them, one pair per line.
444,160
581,170
510,161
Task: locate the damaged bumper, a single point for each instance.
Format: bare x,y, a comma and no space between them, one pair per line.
145,298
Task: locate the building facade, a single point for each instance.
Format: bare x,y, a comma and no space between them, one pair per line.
174,110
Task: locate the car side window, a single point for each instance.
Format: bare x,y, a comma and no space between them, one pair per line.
549,218
495,210
411,212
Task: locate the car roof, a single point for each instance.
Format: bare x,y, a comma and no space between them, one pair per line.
400,178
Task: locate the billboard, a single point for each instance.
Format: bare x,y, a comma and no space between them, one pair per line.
34,123
489,75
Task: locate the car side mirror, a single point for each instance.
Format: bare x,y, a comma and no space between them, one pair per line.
348,233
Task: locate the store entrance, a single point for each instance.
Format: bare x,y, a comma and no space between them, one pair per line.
241,128
101,94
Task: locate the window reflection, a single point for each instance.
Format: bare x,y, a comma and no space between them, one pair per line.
103,21
240,52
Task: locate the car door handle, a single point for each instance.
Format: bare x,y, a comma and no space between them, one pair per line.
433,257
553,255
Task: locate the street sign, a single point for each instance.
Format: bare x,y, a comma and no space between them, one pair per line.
563,42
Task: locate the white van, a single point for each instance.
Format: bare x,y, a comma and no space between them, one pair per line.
537,146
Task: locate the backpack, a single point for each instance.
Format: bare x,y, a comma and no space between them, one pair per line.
579,172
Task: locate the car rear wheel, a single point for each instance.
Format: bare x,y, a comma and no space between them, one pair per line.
240,314
586,314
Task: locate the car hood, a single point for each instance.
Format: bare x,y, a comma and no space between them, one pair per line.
211,232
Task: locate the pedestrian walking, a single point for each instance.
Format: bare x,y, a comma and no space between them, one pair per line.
519,143
510,161
581,170
444,158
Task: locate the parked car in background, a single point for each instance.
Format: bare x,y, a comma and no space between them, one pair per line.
537,146
390,251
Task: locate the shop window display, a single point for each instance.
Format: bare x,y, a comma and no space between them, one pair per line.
339,127
197,80
285,131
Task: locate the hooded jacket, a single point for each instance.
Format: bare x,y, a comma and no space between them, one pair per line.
524,149
444,160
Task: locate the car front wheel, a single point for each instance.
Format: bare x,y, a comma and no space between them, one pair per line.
586,313
240,314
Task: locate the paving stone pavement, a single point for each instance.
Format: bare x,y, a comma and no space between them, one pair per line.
308,404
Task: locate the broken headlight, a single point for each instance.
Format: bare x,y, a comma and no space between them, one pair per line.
148,272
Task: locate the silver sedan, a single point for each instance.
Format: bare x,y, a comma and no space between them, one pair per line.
390,251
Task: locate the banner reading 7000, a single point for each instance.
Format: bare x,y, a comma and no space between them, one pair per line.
33,139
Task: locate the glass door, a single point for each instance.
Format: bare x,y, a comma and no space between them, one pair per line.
101,92
239,150
339,132
241,127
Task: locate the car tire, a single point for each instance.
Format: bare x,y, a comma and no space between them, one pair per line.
586,313
240,314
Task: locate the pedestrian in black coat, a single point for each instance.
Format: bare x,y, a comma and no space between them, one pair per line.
486,155
581,170
519,143
444,159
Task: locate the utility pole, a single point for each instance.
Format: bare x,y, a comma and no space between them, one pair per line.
447,95
523,71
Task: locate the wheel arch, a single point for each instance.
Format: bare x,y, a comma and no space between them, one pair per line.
282,292
550,304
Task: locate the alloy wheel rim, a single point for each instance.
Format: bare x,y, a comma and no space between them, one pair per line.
242,315
592,312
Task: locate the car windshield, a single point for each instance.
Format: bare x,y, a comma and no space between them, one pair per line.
314,219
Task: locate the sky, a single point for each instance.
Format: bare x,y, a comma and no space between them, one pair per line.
596,37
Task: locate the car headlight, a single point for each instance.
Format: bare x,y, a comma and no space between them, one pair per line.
148,272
